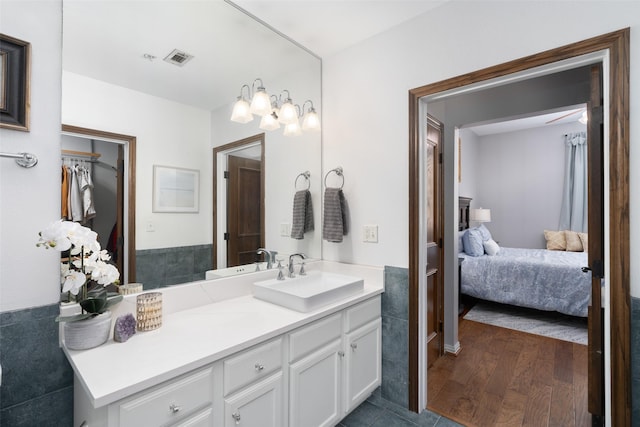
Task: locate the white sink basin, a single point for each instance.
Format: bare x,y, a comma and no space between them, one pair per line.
306,293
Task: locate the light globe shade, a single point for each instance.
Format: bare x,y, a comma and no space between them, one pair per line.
292,129
481,215
260,103
288,113
241,112
310,121
269,122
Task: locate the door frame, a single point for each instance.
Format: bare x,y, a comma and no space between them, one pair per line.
129,231
217,179
615,46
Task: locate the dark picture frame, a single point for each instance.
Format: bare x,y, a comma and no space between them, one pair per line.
15,78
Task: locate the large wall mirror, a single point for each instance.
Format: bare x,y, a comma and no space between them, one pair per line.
117,80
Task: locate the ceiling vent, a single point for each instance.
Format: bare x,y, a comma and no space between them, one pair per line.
178,57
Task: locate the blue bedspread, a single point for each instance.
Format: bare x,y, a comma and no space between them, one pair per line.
534,278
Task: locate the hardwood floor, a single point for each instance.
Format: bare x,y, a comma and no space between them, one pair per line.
509,378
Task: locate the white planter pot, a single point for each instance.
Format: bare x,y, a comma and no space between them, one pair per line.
89,333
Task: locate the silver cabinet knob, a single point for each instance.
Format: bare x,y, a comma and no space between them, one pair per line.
354,346
259,366
341,353
236,417
174,408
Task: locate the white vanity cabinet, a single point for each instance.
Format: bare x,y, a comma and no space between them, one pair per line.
312,375
253,387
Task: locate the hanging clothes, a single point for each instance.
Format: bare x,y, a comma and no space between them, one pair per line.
86,188
75,197
64,202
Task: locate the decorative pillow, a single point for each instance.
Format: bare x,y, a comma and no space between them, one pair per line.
460,242
555,240
584,239
491,247
574,244
484,231
472,241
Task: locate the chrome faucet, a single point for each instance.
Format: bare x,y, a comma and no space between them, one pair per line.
267,255
301,255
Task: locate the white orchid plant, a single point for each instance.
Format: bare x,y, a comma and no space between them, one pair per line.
88,270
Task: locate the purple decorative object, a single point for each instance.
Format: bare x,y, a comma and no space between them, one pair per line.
124,328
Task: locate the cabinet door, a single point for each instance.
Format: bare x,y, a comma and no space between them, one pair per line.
314,388
258,405
363,364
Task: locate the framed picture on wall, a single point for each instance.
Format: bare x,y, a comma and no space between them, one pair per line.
15,76
175,189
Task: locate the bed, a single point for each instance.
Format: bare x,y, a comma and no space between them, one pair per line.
534,278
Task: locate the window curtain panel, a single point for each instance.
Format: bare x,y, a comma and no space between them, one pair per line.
573,214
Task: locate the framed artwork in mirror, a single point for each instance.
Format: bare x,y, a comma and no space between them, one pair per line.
175,189
15,76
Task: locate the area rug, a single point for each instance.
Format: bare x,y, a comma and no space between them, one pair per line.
549,324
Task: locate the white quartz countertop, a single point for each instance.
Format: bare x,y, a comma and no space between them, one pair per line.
193,337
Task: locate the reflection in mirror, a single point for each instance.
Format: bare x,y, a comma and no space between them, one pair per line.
115,79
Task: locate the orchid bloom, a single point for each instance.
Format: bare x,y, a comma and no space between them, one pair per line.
73,281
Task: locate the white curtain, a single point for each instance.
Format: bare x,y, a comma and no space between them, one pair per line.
573,214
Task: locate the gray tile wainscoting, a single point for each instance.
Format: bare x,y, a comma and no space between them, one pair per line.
635,362
37,380
157,268
395,336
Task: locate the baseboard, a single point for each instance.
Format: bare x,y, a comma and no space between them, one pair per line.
453,349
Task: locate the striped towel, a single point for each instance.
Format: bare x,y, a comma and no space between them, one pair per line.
335,219
302,214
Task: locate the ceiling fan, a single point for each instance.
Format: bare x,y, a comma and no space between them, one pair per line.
582,119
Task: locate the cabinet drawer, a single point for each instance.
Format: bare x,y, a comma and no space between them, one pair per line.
312,337
169,402
362,314
251,365
201,419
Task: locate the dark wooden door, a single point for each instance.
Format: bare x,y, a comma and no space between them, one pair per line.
595,132
244,225
433,223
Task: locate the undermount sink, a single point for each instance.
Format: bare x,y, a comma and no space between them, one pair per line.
306,293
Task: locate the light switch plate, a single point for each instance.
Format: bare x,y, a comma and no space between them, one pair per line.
370,234
285,229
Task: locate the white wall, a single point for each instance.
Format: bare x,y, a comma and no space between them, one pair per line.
519,176
30,198
167,133
366,91
467,187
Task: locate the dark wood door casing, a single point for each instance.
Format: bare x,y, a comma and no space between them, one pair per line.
617,45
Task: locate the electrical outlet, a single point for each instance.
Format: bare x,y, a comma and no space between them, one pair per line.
285,229
150,227
370,234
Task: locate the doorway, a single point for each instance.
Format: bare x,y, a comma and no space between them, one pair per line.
239,207
611,50
123,236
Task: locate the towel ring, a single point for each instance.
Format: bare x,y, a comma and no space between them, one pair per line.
306,176
338,171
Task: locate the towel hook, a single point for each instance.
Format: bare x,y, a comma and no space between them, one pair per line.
338,171
305,175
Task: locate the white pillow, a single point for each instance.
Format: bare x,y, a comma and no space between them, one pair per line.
491,247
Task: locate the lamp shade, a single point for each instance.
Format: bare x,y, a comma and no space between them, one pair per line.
269,122
288,113
241,112
292,129
481,215
260,103
310,121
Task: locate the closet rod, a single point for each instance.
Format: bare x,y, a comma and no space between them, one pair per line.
80,153
26,160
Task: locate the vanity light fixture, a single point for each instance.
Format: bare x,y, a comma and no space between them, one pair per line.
274,110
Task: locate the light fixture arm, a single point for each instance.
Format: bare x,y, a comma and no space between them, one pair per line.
248,92
311,109
253,85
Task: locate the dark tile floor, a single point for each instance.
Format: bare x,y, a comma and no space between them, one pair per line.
378,412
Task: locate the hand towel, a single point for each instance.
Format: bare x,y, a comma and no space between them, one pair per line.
335,219
302,214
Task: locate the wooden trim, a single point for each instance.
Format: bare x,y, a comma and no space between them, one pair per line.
617,43
131,189
231,146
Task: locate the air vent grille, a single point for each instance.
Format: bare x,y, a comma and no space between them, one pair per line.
178,57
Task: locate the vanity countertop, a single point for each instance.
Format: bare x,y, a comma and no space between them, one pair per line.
193,337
